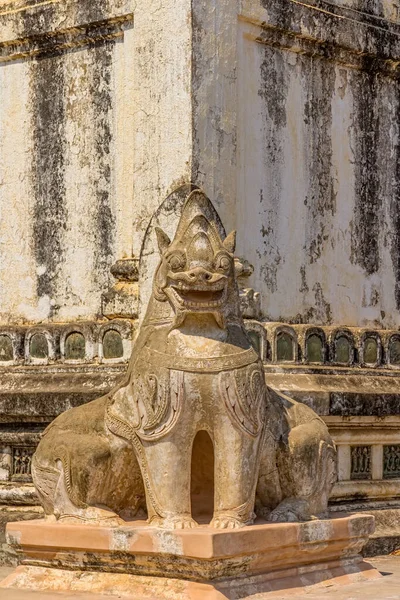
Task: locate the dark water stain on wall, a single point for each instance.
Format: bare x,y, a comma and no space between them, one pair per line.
318,79
47,82
365,135
274,86
303,286
320,313
281,13
395,205
373,7
47,172
100,84
101,96
322,308
273,92
198,37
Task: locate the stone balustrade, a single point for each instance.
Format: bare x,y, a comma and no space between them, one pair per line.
82,342
322,345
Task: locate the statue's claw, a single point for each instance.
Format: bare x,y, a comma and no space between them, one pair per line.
93,516
180,522
226,522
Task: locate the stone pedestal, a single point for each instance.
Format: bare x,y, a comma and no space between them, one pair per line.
203,563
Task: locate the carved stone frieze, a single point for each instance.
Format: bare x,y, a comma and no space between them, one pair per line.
360,462
22,462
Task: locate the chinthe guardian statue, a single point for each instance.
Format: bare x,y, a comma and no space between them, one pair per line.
193,369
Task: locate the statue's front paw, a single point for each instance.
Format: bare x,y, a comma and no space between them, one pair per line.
226,522
183,524
179,522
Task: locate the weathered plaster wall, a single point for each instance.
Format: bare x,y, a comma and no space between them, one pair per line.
318,164
62,158
161,105
215,100
295,138
95,128
387,9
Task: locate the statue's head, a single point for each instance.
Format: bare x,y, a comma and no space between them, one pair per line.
196,273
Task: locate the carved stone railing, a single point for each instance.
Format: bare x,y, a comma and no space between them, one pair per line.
277,343
317,346
70,343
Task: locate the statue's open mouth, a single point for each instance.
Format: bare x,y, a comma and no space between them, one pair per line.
199,298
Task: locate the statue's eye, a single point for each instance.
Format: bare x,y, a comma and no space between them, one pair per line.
224,263
176,262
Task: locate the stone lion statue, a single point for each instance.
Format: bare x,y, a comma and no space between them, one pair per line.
193,370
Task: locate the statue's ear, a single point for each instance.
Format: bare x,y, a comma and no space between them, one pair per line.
229,242
162,240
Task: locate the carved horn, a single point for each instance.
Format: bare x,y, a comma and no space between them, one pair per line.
162,240
229,242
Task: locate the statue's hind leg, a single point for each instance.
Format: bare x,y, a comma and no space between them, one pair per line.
87,478
46,479
52,489
307,469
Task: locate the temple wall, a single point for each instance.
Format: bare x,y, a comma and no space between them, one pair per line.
94,130
309,138
379,8
322,174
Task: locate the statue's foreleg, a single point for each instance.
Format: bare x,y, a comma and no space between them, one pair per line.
167,480
236,467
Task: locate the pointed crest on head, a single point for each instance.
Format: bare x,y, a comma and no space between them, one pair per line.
198,205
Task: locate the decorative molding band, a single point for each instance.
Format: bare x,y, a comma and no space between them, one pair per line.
13,7
51,28
294,346
75,13
318,29
353,14
63,41
38,394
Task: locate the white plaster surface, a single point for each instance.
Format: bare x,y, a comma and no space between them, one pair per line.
17,265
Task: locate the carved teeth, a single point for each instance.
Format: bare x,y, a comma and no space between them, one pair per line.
180,297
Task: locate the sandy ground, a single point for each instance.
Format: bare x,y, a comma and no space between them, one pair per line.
386,588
